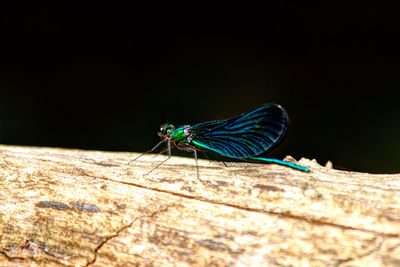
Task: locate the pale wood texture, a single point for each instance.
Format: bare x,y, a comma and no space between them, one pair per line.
84,208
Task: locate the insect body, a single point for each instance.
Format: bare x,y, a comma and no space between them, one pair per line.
244,137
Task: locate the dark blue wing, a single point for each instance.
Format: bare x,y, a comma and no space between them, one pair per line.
245,136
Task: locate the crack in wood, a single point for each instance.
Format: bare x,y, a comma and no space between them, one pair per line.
105,240
23,260
11,258
108,238
366,254
309,220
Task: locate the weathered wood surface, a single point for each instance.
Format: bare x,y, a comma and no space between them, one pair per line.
83,208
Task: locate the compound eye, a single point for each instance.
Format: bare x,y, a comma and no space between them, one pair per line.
161,133
166,130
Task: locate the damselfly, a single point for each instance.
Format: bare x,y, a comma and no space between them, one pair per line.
244,137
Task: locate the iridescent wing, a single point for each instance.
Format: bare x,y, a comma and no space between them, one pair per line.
245,136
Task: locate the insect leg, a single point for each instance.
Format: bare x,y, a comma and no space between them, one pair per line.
169,156
161,152
197,166
151,150
205,155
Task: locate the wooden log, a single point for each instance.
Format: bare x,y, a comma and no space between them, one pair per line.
64,207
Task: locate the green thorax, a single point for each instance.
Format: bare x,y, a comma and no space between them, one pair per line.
182,134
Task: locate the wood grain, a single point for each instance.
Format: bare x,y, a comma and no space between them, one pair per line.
64,207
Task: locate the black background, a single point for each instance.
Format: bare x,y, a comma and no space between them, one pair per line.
104,76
